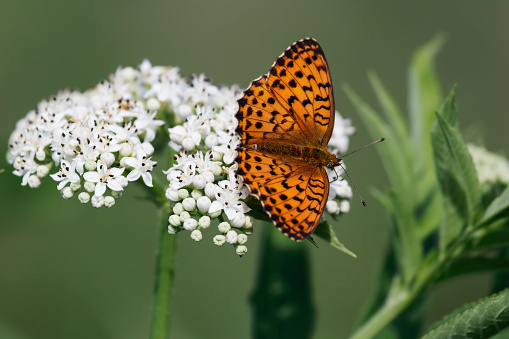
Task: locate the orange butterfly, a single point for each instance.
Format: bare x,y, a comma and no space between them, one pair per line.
285,122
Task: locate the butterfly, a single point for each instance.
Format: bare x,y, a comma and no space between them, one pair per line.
285,121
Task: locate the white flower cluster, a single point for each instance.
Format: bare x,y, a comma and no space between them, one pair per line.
491,168
101,140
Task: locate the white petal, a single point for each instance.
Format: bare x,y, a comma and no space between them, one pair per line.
134,175
215,206
115,185
147,178
100,188
91,176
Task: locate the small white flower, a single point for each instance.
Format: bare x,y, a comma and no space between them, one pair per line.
104,177
344,206
183,193
332,207
174,220
211,190
238,220
184,215
66,174
189,204
231,237
172,195
142,166
190,224
204,222
89,186
241,238
67,193
203,204
224,227
84,197
153,104
196,235
34,181
97,201
219,240
126,149
249,222
241,250
196,194
199,181
42,171
178,208
107,158
109,201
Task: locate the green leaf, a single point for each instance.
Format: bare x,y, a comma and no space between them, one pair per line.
475,265
424,99
457,177
394,160
449,110
325,231
481,319
281,302
497,207
393,116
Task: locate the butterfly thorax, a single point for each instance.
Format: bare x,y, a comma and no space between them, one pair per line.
319,156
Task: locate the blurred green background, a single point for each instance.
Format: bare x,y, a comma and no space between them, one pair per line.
71,271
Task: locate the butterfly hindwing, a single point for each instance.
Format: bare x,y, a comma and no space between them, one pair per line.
296,201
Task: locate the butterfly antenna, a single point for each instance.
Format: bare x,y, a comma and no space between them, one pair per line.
358,149
350,179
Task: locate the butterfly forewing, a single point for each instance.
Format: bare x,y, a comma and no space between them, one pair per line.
301,81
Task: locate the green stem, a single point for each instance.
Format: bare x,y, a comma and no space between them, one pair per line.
392,307
164,276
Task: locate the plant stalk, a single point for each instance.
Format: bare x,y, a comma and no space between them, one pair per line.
390,310
164,277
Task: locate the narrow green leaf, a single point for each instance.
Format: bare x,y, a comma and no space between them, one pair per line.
481,319
475,265
282,303
393,159
497,207
457,177
393,116
325,231
449,110
424,99
493,239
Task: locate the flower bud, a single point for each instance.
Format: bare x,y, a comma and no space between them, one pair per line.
224,227
241,250
219,240
189,204
231,237
204,222
203,204
196,235
84,197
190,224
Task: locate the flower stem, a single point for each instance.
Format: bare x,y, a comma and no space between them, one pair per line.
390,310
164,276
